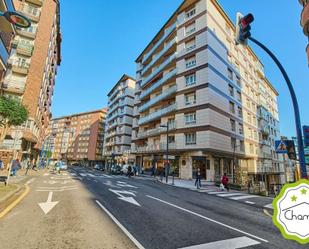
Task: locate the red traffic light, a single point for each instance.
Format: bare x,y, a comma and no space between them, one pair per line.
246,20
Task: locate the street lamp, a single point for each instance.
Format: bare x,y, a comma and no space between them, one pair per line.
167,168
16,19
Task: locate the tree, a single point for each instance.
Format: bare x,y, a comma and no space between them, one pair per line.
12,113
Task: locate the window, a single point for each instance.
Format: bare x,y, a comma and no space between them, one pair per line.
241,128
190,138
230,73
190,45
249,117
242,145
254,107
239,112
190,79
251,149
171,139
238,95
232,107
190,98
233,143
190,29
190,118
190,62
231,90
190,13
248,103
233,125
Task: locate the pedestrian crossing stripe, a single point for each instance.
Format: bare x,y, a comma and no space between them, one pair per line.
243,197
230,194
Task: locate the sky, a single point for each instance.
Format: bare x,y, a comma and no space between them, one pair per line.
101,41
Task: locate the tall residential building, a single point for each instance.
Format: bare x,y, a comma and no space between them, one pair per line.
220,108
30,78
118,129
304,21
77,138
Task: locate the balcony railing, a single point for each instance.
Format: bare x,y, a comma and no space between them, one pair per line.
32,12
158,98
159,83
154,147
157,114
156,131
158,69
157,56
25,49
167,32
30,33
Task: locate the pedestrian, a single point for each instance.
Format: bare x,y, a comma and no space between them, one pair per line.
225,182
129,171
28,165
198,179
134,170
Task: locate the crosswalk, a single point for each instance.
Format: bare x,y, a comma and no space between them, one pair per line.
96,175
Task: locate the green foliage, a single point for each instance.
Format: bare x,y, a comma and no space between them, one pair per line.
48,154
12,112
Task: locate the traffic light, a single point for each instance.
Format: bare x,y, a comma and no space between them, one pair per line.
243,28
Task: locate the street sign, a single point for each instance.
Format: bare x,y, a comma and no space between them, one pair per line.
281,147
306,135
17,19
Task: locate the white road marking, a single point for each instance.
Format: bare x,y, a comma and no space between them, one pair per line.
123,184
243,197
49,204
231,194
130,236
30,181
107,176
234,243
91,175
215,193
73,186
124,198
95,180
203,190
46,174
269,206
55,190
250,202
207,218
73,174
82,174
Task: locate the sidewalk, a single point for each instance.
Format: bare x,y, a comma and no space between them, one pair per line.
210,189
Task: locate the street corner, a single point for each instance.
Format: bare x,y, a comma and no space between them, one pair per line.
291,211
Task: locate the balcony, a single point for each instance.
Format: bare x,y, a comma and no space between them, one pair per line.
158,69
305,19
19,67
31,12
166,93
156,131
259,69
159,83
158,114
14,87
153,148
167,32
24,49
36,2
157,56
28,32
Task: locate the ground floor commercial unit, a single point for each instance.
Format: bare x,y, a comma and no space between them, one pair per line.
242,171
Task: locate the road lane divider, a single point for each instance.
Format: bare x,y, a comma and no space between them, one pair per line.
207,218
127,233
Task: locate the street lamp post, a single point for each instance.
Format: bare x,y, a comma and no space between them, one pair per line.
167,169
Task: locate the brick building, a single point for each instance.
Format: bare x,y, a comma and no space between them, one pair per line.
77,138
32,68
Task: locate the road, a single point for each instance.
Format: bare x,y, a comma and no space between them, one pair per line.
149,214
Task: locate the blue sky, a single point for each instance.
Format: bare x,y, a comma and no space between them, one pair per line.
98,49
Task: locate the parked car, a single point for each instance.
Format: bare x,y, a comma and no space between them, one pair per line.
116,169
99,167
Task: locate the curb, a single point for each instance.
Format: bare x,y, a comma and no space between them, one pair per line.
16,201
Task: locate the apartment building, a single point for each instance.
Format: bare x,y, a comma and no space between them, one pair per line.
118,129
77,138
304,21
220,109
31,73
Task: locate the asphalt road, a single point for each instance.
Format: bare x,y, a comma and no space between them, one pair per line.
166,217
84,208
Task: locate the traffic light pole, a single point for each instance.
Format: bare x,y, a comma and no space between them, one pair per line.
301,152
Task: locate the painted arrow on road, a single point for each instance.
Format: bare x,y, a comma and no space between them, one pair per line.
49,204
124,198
